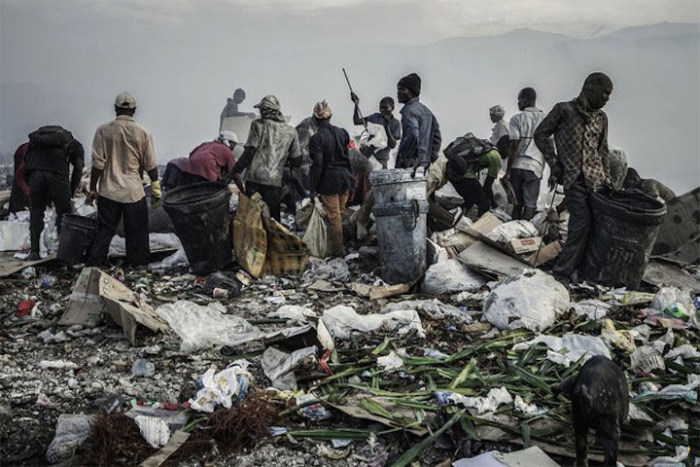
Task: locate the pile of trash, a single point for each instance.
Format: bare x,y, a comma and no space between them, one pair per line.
120,367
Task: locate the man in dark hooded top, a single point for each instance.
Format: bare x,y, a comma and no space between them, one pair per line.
580,162
421,138
51,153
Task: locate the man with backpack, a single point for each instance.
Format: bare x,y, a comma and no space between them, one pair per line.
421,138
51,151
526,162
466,157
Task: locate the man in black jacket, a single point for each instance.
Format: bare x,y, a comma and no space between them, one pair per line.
52,150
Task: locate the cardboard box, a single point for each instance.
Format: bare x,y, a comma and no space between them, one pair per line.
521,246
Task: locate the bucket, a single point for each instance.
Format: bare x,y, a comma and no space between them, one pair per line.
625,225
397,186
76,235
401,233
200,216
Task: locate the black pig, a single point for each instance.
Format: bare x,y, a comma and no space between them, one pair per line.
599,400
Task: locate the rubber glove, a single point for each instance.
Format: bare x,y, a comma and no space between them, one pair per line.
156,194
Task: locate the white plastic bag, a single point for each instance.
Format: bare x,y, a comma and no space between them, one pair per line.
450,276
204,326
532,300
316,235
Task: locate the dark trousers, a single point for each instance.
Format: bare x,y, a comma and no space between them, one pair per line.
272,195
580,223
45,187
472,193
135,230
18,200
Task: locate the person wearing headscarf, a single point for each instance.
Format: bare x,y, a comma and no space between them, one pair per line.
421,138
580,162
272,144
331,172
499,133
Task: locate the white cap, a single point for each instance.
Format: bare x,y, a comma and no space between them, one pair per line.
228,136
125,101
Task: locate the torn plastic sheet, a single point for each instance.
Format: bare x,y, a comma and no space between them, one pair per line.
527,409
71,431
533,456
156,242
684,351
532,300
294,313
341,320
568,349
592,308
391,362
495,398
434,308
279,366
646,359
670,392
177,259
623,340
204,326
220,388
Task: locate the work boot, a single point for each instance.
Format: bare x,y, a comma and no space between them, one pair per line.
35,239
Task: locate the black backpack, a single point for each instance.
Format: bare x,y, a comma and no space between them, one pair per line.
462,151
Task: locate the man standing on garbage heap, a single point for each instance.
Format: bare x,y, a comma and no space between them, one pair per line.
384,117
525,162
231,107
331,172
468,185
211,160
421,138
271,144
580,162
499,132
121,150
51,151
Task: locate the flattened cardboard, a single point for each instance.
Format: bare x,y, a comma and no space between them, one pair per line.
485,259
547,253
484,225
96,292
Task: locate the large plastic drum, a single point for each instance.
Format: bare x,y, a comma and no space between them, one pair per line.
397,185
401,229
200,216
76,235
625,225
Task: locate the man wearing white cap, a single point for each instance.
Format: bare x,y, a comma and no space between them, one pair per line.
272,144
212,160
121,151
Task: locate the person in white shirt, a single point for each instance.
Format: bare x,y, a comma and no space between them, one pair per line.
525,161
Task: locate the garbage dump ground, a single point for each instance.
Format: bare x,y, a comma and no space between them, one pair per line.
309,370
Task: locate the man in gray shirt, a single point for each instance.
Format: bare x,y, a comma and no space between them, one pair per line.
271,144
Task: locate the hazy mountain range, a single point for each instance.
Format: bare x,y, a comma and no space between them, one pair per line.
181,77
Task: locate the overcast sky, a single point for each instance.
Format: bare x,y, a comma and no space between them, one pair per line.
63,61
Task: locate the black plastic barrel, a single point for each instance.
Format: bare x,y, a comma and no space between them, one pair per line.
77,233
200,216
625,225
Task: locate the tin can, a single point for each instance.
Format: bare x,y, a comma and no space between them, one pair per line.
220,293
